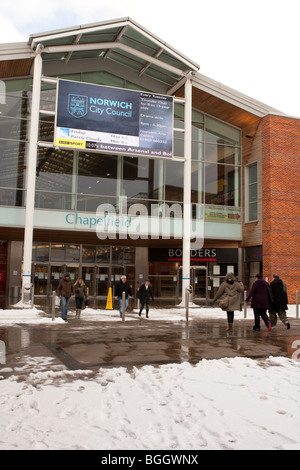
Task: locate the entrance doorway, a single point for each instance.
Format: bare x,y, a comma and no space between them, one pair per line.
198,281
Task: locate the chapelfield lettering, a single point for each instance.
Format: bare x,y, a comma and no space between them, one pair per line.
106,222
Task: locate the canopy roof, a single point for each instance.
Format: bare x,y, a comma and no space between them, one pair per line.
122,41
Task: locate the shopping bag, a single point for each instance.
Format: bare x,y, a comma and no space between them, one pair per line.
224,303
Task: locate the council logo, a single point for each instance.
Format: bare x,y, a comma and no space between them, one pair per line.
77,105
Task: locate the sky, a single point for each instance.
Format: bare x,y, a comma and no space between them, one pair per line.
252,47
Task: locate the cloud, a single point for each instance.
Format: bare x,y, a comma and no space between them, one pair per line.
252,48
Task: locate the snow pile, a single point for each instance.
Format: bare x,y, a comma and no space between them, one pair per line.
220,404
23,315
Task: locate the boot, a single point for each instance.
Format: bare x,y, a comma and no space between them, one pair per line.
79,313
230,327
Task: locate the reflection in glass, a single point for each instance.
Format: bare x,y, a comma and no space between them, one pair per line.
97,174
221,185
12,164
54,170
174,181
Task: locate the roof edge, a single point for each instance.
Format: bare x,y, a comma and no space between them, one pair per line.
233,96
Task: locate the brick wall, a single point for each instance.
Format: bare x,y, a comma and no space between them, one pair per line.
281,200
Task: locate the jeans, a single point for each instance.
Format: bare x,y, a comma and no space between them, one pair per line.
120,304
64,307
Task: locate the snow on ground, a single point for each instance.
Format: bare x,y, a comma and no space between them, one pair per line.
37,315
214,405
230,403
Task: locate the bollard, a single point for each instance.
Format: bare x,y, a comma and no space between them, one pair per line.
53,305
297,304
123,306
245,304
32,295
188,292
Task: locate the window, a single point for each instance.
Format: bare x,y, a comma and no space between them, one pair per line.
251,193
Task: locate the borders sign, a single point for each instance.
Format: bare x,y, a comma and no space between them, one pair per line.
106,119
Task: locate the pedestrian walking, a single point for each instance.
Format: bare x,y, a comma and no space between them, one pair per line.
80,295
65,290
123,286
231,290
145,294
260,302
278,301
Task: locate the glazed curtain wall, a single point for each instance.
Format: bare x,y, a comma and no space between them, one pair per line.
80,181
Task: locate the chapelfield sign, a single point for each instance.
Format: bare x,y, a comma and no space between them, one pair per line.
106,119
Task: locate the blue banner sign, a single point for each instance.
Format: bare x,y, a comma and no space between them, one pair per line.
106,119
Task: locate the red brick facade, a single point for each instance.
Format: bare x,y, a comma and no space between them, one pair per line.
281,200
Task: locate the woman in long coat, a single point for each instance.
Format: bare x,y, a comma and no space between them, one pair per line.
144,294
232,289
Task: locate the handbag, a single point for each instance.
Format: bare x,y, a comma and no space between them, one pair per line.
87,302
224,303
57,301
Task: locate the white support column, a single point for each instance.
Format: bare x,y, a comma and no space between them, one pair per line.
31,169
186,236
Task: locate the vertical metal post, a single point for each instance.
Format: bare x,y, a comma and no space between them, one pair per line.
31,168
53,305
32,295
297,304
186,230
187,300
123,306
245,304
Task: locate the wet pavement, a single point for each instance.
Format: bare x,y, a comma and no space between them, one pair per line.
86,346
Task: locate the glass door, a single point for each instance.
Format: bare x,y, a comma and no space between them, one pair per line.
102,280
40,280
88,275
56,273
199,282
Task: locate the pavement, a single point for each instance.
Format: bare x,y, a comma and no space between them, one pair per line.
86,346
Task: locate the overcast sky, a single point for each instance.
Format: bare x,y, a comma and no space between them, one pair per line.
250,46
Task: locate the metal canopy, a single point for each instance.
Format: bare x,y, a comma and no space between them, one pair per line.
122,41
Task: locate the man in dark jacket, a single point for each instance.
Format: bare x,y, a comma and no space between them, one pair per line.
260,302
123,286
144,294
65,290
278,301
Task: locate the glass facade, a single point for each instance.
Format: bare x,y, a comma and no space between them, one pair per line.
81,181
99,266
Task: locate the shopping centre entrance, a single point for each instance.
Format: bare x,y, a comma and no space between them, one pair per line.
98,279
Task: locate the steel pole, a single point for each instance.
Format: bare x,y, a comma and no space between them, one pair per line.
31,168
186,228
